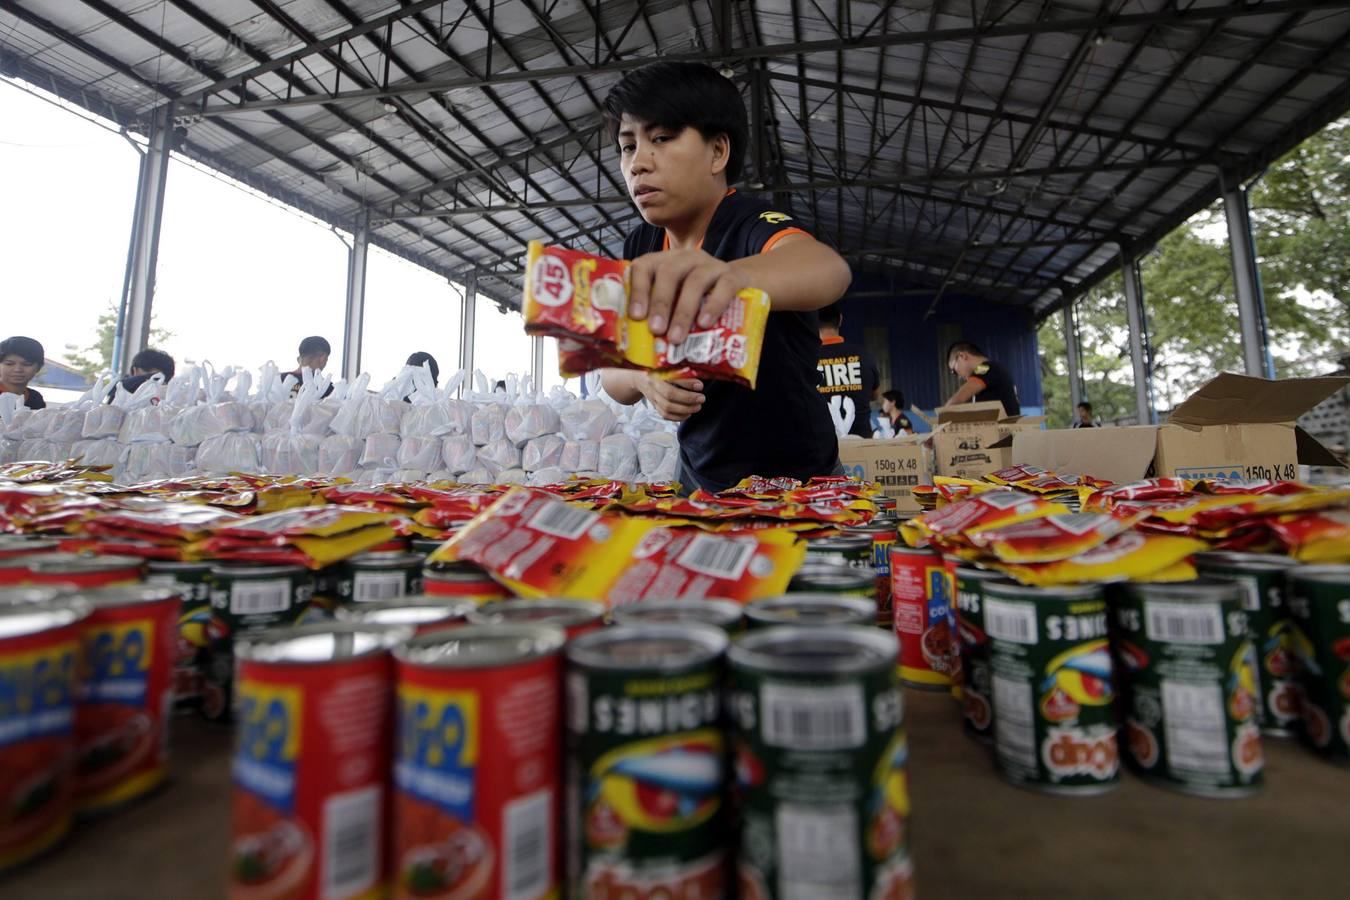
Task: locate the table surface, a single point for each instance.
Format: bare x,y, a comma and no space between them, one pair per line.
973,836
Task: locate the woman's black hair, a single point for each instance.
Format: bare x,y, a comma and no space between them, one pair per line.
422,357
154,361
678,95
895,397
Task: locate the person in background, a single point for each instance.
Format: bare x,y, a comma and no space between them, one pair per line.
893,408
847,370
983,380
144,366
422,358
21,358
314,353
681,133
1083,416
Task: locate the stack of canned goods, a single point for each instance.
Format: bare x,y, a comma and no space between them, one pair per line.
540,753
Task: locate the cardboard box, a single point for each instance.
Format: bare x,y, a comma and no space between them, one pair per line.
1236,426
966,438
897,464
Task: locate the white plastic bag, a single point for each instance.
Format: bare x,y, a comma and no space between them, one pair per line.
542,453
618,458
65,426
512,476
545,477
528,421
488,424
498,456
340,454
403,476
99,452
459,453
658,452
587,420
381,451
234,451
419,453
476,476
102,422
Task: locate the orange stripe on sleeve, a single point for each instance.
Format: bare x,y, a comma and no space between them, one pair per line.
769,244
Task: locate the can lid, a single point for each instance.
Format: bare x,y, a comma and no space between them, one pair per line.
174,565
425,545
455,571
709,610
416,609
1010,588
797,650
482,646
834,575
556,610
1255,562
61,563
22,619
967,571
823,609
252,570
1339,574
29,594
385,559
318,642
840,542
1196,590
120,595
649,647
884,502
874,527
913,551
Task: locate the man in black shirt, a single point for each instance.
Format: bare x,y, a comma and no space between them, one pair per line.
984,379
1083,416
144,366
314,353
681,131
21,358
847,371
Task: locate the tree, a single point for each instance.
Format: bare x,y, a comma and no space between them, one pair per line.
1300,210
96,358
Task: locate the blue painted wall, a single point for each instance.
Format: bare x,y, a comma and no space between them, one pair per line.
1004,332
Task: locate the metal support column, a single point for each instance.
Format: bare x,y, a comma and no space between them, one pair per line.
537,364
1134,308
466,321
1247,277
356,301
133,321
1074,358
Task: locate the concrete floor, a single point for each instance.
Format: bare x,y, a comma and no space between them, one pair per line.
973,835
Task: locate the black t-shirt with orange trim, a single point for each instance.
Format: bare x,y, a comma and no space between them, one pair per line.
996,384
783,427
847,370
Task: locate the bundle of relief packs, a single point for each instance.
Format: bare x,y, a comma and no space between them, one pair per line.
582,300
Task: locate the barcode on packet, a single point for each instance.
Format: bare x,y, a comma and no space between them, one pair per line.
717,557
560,520
368,587
697,347
1183,623
528,839
351,828
1007,621
251,598
813,718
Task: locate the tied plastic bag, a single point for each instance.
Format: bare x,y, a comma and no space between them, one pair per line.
293,452
512,476
459,453
618,458
419,453
364,414
183,389
402,476
498,456
99,452
381,452
33,427
588,420
542,453
488,424
340,454
41,449
476,476
658,452
531,420
102,422
234,451
545,477
65,426
147,462
645,421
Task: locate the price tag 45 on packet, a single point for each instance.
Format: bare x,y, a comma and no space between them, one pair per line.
582,300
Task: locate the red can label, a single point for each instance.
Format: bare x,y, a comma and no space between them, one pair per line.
476,782
310,763
477,589
125,702
37,713
922,590
881,561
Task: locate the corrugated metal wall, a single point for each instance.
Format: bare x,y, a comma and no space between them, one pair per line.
917,345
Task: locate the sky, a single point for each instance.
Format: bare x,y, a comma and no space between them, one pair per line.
241,278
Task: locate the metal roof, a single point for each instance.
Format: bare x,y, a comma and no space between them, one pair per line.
1004,149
